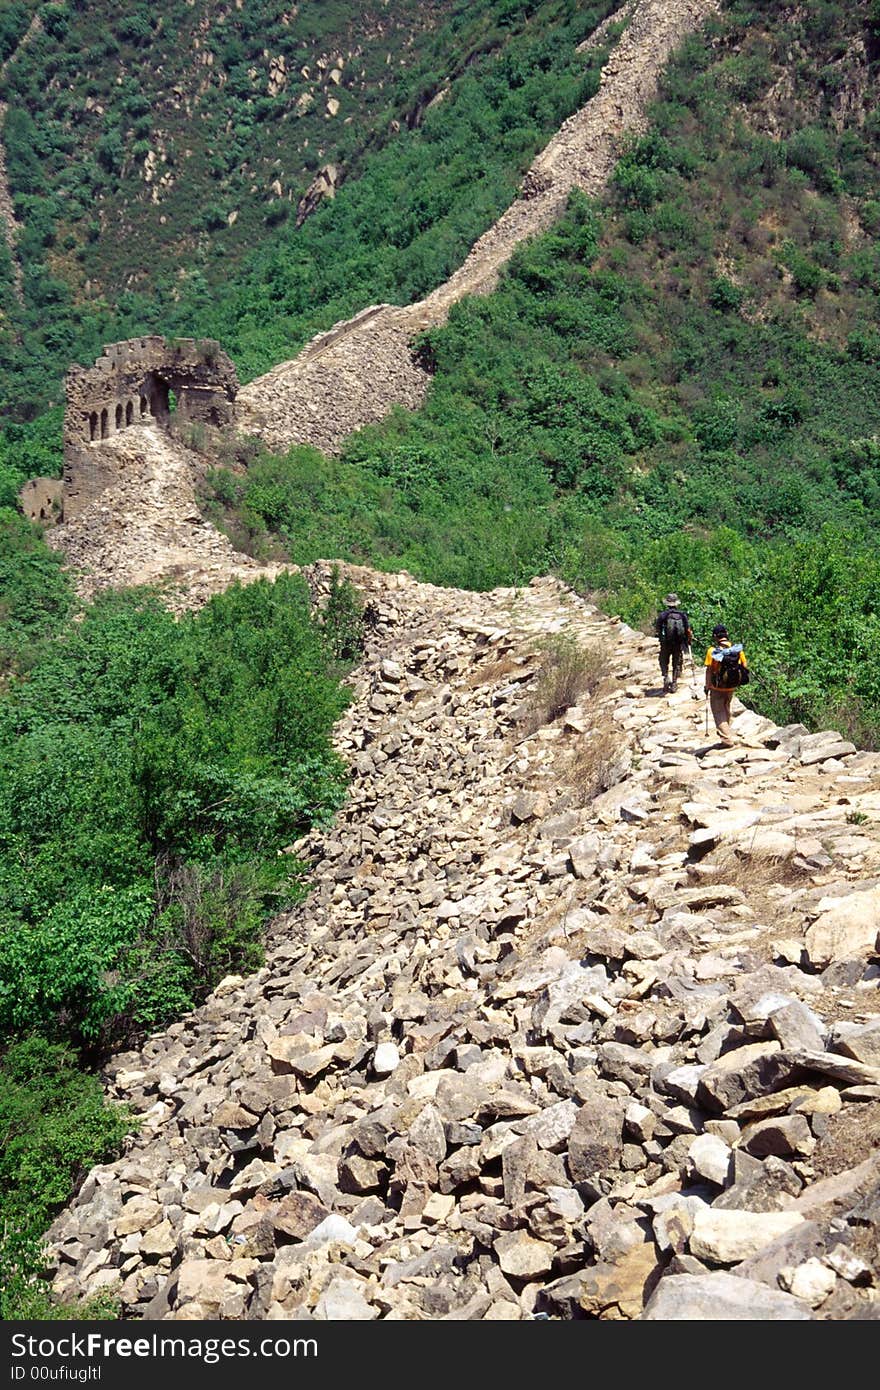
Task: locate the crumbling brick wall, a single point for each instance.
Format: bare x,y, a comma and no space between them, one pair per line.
132,384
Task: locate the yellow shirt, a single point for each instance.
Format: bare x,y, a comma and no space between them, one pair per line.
714,666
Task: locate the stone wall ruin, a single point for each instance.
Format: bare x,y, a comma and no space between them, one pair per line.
143,381
41,500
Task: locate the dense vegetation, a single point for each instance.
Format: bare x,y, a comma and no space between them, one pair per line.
55,1125
151,773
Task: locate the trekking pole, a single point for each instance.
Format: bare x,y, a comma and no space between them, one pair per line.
707,714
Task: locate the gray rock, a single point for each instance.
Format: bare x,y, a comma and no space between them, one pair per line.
782,1136
681,1082
522,1256
428,1134
859,1041
757,1186
710,1158
720,1297
795,1026
754,1070
343,1301
552,1126
517,1161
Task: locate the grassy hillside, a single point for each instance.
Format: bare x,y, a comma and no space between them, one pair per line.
157,177
197,126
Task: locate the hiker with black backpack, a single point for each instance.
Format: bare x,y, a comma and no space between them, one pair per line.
726,670
674,630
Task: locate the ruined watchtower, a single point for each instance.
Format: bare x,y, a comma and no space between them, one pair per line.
132,384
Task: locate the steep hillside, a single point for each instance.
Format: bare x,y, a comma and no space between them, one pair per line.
355,373
356,376
207,133
205,117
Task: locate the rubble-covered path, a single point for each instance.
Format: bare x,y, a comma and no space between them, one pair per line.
529,1046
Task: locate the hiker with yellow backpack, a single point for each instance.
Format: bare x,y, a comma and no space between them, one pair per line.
726,670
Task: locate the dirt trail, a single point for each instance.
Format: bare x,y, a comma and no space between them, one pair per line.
353,375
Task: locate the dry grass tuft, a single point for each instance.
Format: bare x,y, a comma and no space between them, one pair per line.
568,673
594,764
756,872
494,671
757,875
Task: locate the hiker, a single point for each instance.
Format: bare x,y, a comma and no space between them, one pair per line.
674,630
726,670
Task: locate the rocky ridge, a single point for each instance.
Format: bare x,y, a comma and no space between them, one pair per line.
355,374
579,1019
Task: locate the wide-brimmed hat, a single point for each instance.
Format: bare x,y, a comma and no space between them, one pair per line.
672,600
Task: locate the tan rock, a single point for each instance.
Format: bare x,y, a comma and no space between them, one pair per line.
618,1290
438,1208
159,1241
522,1256
138,1215
845,930
725,1237
824,1101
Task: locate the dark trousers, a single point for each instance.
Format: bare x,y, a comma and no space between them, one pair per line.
675,653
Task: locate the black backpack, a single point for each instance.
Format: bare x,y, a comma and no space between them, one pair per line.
729,673
675,628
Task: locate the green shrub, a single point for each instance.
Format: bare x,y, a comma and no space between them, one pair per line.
724,294
812,151
806,276
342,619
151,771
55,1125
